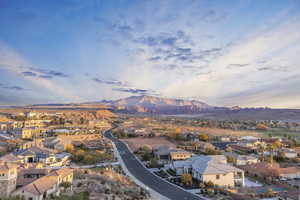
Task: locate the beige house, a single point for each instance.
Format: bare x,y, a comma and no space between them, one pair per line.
180,155
18,124
242,159
99,124
28,133
36,123
8,178
211,168
166,154
36,155
38,142
45,186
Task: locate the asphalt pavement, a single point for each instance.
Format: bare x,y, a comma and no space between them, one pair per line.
146,177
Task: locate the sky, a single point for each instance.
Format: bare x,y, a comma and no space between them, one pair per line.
222,52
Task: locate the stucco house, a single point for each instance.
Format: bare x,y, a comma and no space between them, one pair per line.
36,154
211,168
8,178
45,186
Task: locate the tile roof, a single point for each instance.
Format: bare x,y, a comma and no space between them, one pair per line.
9,158
7,166
45,183
207,164
270,169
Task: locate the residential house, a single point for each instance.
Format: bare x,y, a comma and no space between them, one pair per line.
189,136
37,142
273,170
53,143
297,150
289,195
28,133
198,146
211,168
162,153
28,175
18,124
289,153
242,159
36,155
166,154
225,139
99,124
45,186
36,123
8,178
62,159
6,126
180,155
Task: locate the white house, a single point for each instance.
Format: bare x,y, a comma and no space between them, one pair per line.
211,168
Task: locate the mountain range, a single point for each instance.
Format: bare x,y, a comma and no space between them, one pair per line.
158,105
167,106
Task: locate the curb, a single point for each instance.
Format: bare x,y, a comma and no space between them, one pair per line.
204,198
154,195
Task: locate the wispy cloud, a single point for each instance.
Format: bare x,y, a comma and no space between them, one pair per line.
11,87
11,61
28,73
132,90
110,82
17,88
42,73
135,91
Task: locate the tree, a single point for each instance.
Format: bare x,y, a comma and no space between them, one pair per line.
186,179
231,159
209,184
277,144
146,156
262,127
69,148
65,185
229,149
146,148
88,159
212,151
203,137
154,162
269,193
280,157
271,148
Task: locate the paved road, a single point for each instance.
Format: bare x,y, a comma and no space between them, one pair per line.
142,174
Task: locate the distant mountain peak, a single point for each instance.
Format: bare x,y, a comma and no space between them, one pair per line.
153,104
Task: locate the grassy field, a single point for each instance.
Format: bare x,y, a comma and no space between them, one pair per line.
282,133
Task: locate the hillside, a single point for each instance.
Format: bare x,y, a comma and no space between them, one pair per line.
157,105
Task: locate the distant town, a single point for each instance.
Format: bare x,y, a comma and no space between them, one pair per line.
93,153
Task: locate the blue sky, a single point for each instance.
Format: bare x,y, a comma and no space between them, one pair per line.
226,52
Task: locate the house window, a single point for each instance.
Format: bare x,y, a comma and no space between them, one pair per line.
218,176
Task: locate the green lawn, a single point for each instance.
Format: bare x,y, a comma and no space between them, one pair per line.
282,133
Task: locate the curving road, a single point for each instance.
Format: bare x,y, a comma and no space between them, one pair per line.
145,176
